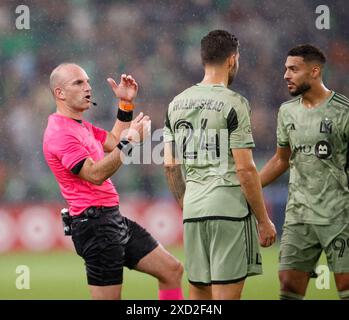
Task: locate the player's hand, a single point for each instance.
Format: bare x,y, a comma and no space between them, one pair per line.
267,233
126,90
140,129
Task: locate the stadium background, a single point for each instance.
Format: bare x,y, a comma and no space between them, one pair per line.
158,43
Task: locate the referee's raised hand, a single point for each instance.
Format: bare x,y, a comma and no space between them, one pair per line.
126,90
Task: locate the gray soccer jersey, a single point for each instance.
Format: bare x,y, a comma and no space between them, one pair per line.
319,162
206,122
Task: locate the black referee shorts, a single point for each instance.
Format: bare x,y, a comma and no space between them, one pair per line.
107,242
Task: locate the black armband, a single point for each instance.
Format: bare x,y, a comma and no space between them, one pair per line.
125,146
76,169
125,116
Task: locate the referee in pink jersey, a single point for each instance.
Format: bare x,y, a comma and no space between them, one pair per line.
74,150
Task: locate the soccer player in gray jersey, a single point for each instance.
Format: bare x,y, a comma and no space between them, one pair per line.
313,141
208,127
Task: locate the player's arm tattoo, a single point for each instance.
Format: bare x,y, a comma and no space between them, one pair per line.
176,182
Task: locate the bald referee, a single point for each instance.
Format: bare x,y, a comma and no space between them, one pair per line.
74,150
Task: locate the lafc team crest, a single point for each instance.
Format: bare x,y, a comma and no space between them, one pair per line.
326,126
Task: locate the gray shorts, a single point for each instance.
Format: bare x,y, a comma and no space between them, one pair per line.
221,251
302,245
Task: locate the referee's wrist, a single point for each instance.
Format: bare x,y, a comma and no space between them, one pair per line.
125,146
126,105
124,116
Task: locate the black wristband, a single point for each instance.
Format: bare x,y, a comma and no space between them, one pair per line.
125,116
125,146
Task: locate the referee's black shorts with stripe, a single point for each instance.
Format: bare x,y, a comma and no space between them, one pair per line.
107,242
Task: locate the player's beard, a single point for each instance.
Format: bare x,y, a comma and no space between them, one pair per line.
232,74
302,88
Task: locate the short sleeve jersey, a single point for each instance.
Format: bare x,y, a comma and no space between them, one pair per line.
319,162
205,122
66,143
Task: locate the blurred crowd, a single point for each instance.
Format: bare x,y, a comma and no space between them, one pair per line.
158,42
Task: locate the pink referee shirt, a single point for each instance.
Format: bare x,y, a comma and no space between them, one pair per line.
66,143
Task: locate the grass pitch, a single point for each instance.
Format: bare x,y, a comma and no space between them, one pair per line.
60,275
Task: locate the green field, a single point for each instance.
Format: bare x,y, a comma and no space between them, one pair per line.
60,275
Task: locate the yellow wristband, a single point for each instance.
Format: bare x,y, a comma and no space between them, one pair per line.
126,106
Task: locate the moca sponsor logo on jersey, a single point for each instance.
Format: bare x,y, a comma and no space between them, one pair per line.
322,149
303,148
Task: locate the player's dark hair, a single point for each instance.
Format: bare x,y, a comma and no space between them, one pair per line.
217,46
309,53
